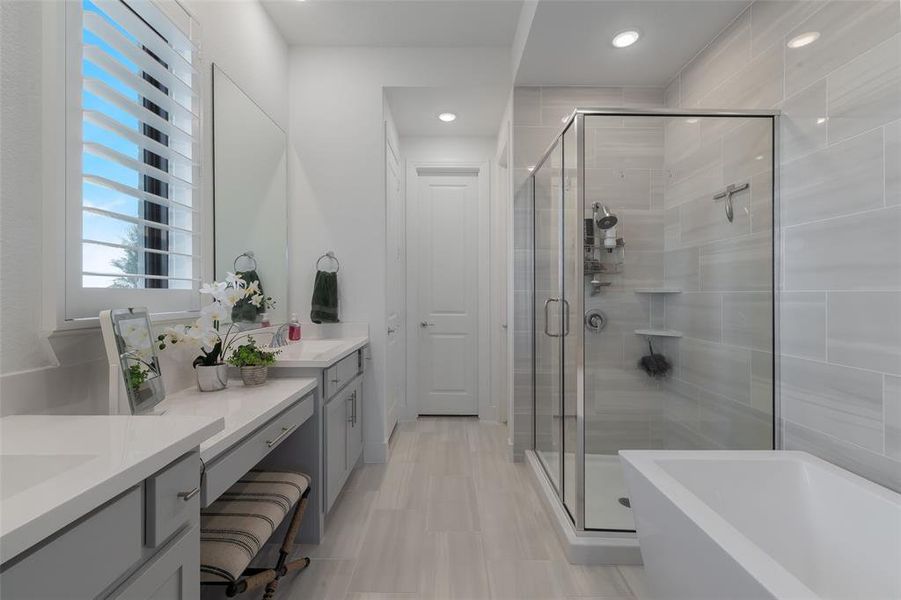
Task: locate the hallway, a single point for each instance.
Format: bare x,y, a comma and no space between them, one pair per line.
447,517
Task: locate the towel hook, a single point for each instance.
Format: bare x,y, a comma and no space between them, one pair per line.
249,256
330,254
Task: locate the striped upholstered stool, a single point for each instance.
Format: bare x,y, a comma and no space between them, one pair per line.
234,528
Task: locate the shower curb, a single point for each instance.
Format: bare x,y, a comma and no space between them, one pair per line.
588,547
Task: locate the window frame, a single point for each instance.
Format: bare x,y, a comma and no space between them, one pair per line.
80,306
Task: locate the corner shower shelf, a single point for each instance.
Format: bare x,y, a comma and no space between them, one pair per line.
659,332
660,290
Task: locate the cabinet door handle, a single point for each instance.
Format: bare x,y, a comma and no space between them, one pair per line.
355,407
188,495
350,419
277,439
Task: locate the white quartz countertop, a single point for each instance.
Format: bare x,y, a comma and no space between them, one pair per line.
319,353
243,408
55,469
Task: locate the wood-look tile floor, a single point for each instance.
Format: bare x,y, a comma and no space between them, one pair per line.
448,516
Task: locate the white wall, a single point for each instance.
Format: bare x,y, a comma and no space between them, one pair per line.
65,373
336,179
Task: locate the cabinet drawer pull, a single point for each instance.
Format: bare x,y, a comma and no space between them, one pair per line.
285,431
334,380
188,495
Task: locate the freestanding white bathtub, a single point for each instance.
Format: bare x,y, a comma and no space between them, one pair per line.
723,525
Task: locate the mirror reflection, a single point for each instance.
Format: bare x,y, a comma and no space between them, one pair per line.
250,199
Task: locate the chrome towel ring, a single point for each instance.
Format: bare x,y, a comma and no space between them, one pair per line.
249,256
330,254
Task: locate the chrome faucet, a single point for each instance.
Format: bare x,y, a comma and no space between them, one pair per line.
280,337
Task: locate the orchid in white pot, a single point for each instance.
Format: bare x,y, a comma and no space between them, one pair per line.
210,335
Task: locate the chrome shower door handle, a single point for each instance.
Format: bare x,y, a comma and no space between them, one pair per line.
547,331
566,317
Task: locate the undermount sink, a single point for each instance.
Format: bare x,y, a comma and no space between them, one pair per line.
307,349
20,472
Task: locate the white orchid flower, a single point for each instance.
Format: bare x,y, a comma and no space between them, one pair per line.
235,280
213,289
256,300
214,312
232,296
253,288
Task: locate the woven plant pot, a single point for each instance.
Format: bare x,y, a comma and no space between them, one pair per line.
254,375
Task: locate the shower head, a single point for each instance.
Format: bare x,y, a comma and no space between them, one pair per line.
603,217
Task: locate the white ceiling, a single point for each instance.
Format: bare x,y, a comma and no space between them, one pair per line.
479,110
569,42
428,23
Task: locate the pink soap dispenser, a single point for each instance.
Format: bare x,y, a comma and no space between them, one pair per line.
294,328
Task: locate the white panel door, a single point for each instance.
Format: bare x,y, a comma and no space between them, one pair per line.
448,293
396,351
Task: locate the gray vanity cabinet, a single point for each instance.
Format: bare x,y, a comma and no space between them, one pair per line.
343,423
142,545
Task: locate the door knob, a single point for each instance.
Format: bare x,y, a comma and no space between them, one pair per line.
426,324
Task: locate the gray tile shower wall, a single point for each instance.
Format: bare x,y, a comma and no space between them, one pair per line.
840,220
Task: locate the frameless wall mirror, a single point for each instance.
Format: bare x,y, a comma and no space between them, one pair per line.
129,338
250,196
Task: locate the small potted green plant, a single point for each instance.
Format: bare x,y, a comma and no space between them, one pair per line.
253,361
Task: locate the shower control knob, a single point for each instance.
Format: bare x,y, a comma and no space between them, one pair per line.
595,320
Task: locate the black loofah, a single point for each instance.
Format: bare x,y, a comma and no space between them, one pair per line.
655,365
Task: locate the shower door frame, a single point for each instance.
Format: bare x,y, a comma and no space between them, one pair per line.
577,121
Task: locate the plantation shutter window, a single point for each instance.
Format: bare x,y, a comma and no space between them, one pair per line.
133,223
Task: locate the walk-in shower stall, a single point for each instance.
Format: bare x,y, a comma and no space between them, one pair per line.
653,260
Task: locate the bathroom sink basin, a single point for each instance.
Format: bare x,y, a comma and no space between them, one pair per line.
317,352
20,472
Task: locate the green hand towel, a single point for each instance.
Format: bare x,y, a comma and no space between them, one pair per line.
325,298
243,310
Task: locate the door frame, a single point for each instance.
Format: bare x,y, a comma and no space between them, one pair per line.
482,171
392,148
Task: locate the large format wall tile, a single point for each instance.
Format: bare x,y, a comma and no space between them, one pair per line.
618,188
704,219
758,85
891,398
762,392
696,314
847,29
719,369
893,164
738,265
866,463
859,252
802,324
840,401
747,320
681,269
839,180
747,151
804,122
865,330
527,106
866,93
729,51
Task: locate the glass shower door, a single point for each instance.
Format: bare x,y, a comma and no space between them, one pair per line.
548,312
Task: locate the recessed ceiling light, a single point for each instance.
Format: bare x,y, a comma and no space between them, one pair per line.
625,38
691,121
447,117
802,40
531,169
821,120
